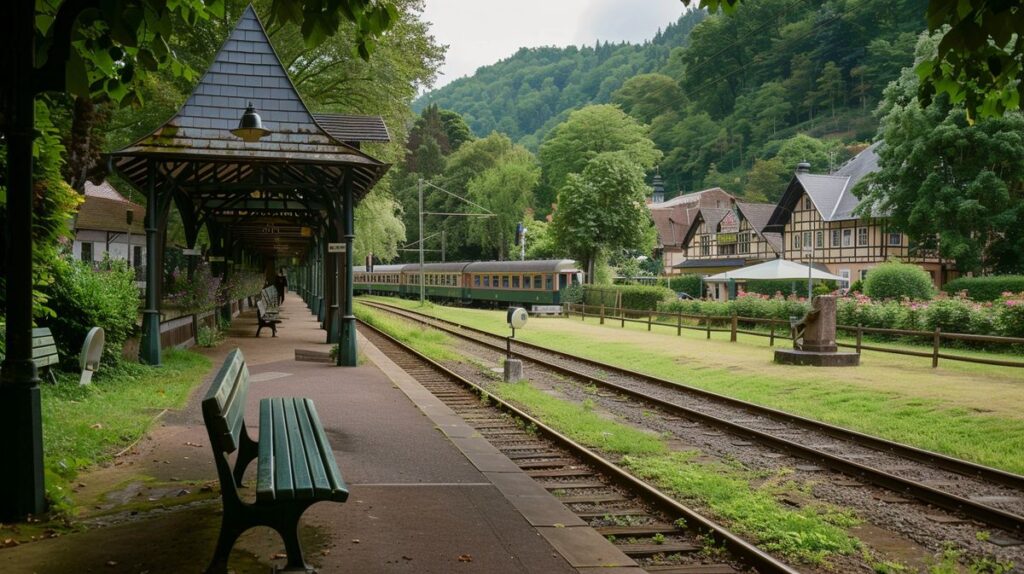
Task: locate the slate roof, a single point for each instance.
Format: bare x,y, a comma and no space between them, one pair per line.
104,209
757,214
354,128
687,198
832,194
673,223
245,69
694,263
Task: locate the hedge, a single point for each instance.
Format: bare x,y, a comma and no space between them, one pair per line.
644,297
987,288
689,284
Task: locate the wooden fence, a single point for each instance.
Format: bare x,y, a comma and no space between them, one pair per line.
779,328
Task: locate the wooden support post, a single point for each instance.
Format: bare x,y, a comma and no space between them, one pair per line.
707,324
935,348
679,324
622,317
650,319
602,313
860,335
771,336
732,335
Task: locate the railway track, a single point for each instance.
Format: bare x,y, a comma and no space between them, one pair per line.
966,490
662,535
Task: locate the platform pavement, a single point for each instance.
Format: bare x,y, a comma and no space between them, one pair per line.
427,495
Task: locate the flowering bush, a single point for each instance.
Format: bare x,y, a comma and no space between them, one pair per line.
1009,314
895,280
199,294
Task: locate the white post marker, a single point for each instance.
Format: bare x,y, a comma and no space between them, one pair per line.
516,318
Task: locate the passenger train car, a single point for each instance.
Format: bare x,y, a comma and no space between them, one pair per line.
525,282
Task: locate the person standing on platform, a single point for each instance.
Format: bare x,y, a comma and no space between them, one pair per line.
281,282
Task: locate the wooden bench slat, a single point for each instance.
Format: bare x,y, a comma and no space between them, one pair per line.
302,482
47,351
338,487
41,332
42,341
265,462
282,454
317,471
224,404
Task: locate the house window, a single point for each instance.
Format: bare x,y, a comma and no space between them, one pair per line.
797,244
87,251
807,240
895,239
705,245
807,202
847,238
744,243
863,274
835,238
845,274
819,239
728,249
515,282
862,236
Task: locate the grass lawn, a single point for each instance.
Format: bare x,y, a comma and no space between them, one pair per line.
975,412
86,425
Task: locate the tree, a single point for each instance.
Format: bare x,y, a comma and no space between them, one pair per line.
588,133
822,155
379,226
506,190
540,241
646,96
602,210
830,87
951,185
978,61
766,181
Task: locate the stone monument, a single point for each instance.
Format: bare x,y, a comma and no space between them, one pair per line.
814,338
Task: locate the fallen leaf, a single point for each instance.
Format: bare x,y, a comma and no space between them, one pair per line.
406,558
97,426
355,541
466,558
111,563
278,555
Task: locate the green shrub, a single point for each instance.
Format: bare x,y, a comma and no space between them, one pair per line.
689,284
894,280
950,315
987,288
857,286
83,298
572,293
644,297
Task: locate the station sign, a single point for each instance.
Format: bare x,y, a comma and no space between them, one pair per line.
216,259
336,247
726,238
195,251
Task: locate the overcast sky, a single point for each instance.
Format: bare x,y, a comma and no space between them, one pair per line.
481,32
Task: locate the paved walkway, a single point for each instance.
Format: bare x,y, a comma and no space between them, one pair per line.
426,495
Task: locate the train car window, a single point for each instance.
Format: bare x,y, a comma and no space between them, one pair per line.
476,281
537,282
504,281
494,281
547,282
487,280
515,282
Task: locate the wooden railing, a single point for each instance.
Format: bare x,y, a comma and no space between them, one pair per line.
779,328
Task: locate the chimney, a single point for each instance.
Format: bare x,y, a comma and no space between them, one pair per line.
803,167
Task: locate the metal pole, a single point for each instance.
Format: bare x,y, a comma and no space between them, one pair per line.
347,346
21,483
423,294
444,245
809,288
150,348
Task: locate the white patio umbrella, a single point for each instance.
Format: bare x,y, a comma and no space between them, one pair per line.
774,269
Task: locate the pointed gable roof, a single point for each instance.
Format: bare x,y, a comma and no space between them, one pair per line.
246,69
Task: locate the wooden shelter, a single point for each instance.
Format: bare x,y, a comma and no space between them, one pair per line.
281,189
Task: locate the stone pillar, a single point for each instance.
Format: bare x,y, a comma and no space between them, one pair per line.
820,333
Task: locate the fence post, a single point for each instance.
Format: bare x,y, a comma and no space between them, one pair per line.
732,335
707,324
583,311
860,334
622,318
679,324
650,319
771,336
935,348
602,313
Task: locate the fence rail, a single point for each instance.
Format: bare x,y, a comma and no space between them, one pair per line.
780,328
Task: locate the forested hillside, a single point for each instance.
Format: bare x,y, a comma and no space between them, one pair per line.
724,96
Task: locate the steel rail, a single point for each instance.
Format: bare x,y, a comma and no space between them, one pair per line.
745,551
951,502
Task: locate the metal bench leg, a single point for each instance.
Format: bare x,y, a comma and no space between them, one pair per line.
229,533
258,329
288,527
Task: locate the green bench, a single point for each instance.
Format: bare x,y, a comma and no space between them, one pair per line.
44,351
295,466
